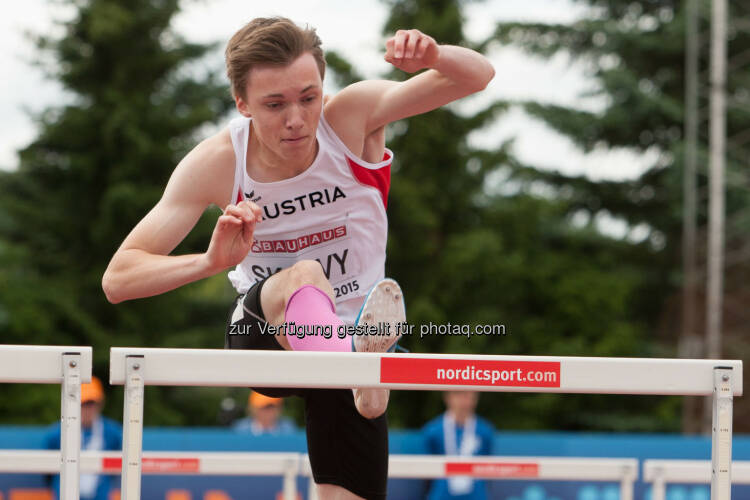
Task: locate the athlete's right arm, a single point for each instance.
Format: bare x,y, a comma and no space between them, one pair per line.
142,266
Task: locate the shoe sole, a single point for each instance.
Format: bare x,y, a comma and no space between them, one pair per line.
384,304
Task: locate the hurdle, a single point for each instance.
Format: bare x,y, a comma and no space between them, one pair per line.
137,367
661,472
68,366
289,465
623,471
286,465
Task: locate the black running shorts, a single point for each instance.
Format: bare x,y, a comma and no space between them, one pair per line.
345,448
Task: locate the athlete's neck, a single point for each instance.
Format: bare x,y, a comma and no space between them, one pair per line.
264,165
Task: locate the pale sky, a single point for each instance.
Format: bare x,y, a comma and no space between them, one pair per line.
353,29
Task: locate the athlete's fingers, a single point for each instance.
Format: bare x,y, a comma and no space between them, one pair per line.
399,43
254,209
422,46
247,233
226,221
235,211
411,43
248,228
390,48
389,56
242,212
251,216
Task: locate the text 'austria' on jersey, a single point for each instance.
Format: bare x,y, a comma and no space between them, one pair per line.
300,203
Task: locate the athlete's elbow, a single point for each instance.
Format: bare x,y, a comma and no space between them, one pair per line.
112,287
109,288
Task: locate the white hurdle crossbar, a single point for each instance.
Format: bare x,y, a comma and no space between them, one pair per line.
68,366
662,472
286,465
137,367
623,470
289,465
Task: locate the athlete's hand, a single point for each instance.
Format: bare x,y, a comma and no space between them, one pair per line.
411,50
232,238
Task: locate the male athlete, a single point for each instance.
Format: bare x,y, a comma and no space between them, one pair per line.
304,187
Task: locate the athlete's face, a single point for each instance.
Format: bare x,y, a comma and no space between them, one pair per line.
285,103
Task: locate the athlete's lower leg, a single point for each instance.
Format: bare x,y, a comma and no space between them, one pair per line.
312,314
334,492
301,294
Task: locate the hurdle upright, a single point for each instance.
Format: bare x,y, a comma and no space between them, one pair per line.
68,366
137,367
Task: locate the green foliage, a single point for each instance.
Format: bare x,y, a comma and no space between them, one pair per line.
467,256
635,53
98,165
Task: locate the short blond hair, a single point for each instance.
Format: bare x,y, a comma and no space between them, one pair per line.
269,41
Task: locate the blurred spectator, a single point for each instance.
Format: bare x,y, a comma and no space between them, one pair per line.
97,433
264,416
458,431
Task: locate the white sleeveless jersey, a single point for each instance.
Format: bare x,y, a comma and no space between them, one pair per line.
333,212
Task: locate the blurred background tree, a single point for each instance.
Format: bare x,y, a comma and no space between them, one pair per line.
478,238
139,99
634,52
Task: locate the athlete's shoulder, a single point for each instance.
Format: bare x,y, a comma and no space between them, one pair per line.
207,171
355,99
217,149
348,113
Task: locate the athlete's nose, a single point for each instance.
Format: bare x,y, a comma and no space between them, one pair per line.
294,118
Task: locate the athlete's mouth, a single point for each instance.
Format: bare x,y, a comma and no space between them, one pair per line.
294,140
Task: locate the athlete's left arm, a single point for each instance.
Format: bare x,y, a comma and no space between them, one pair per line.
452,73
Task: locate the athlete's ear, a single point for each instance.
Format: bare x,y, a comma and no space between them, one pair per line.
241,105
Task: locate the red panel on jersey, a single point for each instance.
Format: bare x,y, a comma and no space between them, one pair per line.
380,178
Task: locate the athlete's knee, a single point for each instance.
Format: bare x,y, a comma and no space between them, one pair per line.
307,272
281,286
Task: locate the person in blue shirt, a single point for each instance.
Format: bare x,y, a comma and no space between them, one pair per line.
264,417
458,431
97,433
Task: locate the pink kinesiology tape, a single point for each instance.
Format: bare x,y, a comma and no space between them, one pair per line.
314,316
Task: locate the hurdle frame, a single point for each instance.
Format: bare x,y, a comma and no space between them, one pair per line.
286,465
292,465
660,473
512,468
721,379
68,366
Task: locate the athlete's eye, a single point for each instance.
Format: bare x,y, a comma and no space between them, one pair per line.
309,98
273,105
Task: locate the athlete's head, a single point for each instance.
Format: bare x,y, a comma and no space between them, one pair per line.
276,69
269,41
